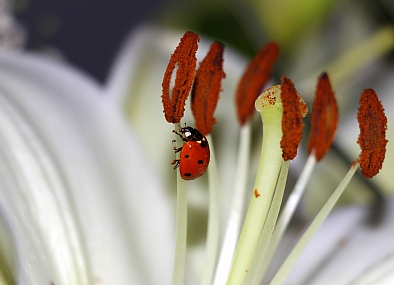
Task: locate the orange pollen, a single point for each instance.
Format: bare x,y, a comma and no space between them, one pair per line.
206,88
291,120
257,74
183,62
324,118
372,138
256,193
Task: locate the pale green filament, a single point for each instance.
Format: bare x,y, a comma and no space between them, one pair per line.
237,207
355,58
289,209
178,274
7,257
270,108
260,256
6,275
290,261
212,244
371,48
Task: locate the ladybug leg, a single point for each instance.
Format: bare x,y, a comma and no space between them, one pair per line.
181,136
177,149
176,162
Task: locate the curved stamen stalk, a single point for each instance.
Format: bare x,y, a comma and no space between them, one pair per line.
182,66
356,57
205,95
276,106
253,80
261,257
323,127
213,231
286,267
288,210
270,107
178,273
372,140
234,222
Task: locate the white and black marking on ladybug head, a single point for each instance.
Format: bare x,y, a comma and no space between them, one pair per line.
192,134
194,153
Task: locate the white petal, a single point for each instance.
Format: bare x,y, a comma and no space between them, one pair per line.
346,248
77,193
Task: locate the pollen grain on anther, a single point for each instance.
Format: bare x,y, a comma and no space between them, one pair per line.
324,118
206,88
293,110
257,74
372,138
182,66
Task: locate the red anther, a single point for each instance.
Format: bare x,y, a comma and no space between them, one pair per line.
372,138
293,110
257,74
184,61
324,119
206,88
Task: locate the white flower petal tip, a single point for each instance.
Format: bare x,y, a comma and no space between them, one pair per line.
81,203
348,250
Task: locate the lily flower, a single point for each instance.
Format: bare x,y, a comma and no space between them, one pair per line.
77,192
157,44
85,197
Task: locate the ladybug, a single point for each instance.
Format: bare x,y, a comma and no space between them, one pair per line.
194,154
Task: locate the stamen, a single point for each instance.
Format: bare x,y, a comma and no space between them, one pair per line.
270,107
372,138
293,111
205,95
184,61
206,88
255,77
324,119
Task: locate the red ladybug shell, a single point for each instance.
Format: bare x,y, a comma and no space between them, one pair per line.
194,154
194,159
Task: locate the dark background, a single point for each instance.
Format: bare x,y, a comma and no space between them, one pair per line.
88,33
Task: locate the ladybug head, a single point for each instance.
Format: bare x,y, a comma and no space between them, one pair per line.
191,134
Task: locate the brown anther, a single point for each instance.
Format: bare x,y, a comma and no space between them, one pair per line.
252,82
175,92
324,119
372,138
292,125
206,88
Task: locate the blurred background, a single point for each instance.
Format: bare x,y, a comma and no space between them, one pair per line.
312,35
89,33
86,33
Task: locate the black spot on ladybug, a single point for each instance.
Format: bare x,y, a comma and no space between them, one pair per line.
186,156
200,161
187,174
204,144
